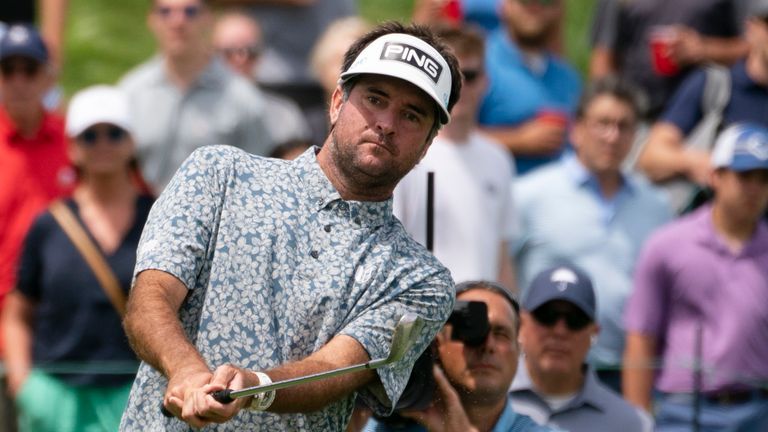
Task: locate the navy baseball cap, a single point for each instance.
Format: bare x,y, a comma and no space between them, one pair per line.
563,282
741,147
23,40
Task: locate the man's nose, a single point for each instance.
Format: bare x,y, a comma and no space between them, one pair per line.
385,122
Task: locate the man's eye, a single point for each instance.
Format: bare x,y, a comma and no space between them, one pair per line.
373,100
411,117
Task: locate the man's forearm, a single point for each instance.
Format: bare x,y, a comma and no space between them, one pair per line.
638,372
153,327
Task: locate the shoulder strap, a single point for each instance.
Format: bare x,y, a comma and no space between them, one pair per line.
76,233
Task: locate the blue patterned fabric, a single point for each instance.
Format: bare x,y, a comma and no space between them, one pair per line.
277,264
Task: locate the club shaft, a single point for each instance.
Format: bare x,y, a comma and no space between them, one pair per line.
373,364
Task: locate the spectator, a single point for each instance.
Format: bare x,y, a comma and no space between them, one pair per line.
687,32
474,217
473,378
701,289
33,155
532,124
554,385
186,97
666,155
59,316
289,150
237,38
585,210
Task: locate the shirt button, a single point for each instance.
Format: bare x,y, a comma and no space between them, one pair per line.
314,254
343,206
327,228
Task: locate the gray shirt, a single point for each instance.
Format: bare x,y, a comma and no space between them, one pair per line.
594,408
277,264
218,108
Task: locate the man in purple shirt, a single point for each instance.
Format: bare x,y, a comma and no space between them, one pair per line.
701,297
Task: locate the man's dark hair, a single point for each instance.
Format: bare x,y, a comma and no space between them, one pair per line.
494,288
464,40
611,86
421,32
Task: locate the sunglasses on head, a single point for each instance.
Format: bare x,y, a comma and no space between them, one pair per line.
471,75
113,134
26,67
574,318
250,51
189,12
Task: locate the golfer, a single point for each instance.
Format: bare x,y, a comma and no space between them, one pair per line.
253,270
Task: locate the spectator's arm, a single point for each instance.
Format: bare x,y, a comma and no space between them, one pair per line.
637,371
665,156
691,47
16,323
532,138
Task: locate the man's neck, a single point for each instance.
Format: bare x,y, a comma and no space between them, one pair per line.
555,385
458,130
757,69
27,118
609,182
735,231
348,189
484,415
183,70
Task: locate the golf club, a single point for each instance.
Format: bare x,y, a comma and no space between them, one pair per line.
403,337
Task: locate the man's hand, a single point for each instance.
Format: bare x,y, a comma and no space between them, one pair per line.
687,48
181,386
445,414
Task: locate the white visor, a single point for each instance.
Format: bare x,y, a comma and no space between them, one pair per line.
408,58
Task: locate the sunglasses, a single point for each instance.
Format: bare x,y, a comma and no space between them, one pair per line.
574,318
250,51
26,67
471,75
189,12
113,134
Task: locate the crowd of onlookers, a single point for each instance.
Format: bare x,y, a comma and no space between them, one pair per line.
614,225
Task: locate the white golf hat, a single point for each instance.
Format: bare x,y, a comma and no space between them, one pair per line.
741,147
408,58
98,104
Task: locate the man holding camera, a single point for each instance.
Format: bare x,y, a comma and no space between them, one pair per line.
477,352
554,385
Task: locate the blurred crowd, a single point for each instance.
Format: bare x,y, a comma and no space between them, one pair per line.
616,221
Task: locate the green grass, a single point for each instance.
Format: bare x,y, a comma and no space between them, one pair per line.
105,38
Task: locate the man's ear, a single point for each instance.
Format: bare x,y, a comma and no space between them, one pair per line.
337,100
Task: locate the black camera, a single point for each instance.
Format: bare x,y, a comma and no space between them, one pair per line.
469,323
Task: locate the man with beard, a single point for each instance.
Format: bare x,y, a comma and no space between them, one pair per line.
532,92
252,270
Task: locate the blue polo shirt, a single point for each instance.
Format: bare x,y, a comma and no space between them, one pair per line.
748,103
517,93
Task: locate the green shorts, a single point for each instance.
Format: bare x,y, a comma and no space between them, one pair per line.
47,404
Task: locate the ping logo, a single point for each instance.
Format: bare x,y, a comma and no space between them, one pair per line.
414,57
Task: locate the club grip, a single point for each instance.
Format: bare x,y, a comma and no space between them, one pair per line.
223,396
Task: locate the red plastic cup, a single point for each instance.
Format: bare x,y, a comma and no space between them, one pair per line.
661,40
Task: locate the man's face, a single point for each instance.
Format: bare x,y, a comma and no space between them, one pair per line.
604,136
238,40
551,345
381,131
756,33
24,81
474,85
486,371
744,195
531,22
181,27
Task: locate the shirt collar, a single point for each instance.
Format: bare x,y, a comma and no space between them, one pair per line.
50,127
323,195
582,177
512,55
709,236
212,76
590,393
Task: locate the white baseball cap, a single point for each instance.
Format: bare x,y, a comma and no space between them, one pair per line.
98,104
741,147
411,59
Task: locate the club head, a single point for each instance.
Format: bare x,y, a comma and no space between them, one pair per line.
404,336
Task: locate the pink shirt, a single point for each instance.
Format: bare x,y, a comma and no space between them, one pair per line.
686,276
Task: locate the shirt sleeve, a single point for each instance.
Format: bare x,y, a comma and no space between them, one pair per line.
684,109
647,305
185,216
431,298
